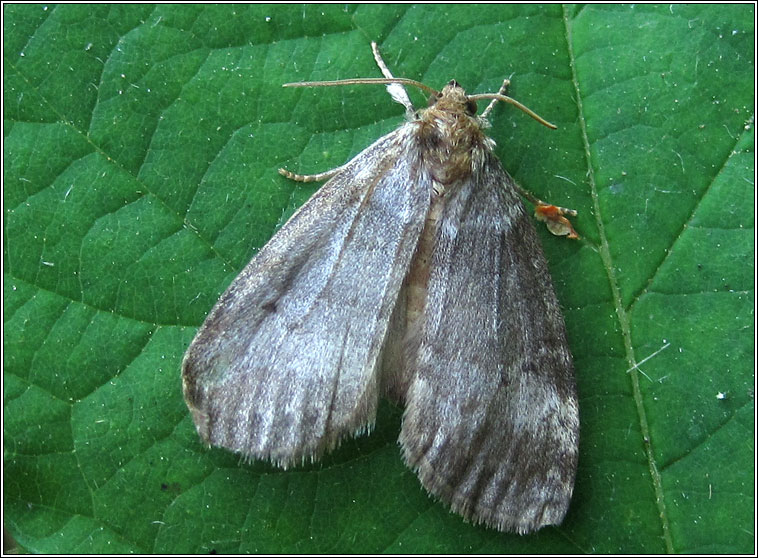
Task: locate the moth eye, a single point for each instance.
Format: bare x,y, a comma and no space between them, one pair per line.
471,107
433,99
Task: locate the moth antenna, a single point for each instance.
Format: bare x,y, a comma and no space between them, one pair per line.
361,81
514,102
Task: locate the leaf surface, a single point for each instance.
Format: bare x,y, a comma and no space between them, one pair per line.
141,148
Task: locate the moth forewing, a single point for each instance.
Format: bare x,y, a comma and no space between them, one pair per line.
491,419
285,364
414,271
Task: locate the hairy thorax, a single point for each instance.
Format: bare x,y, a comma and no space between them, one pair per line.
450,136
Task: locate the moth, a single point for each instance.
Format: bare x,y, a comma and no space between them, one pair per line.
415,273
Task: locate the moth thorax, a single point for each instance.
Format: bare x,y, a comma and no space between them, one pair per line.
448,141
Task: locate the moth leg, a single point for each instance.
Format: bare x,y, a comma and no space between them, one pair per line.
396,91
326,175
380,61
501,91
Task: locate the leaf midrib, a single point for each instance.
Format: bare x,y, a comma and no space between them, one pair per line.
621,312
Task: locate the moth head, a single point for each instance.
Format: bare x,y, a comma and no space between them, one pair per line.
453,98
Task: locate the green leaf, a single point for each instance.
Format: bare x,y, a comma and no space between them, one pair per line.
141,150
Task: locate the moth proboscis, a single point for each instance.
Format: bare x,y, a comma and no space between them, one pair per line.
415,272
